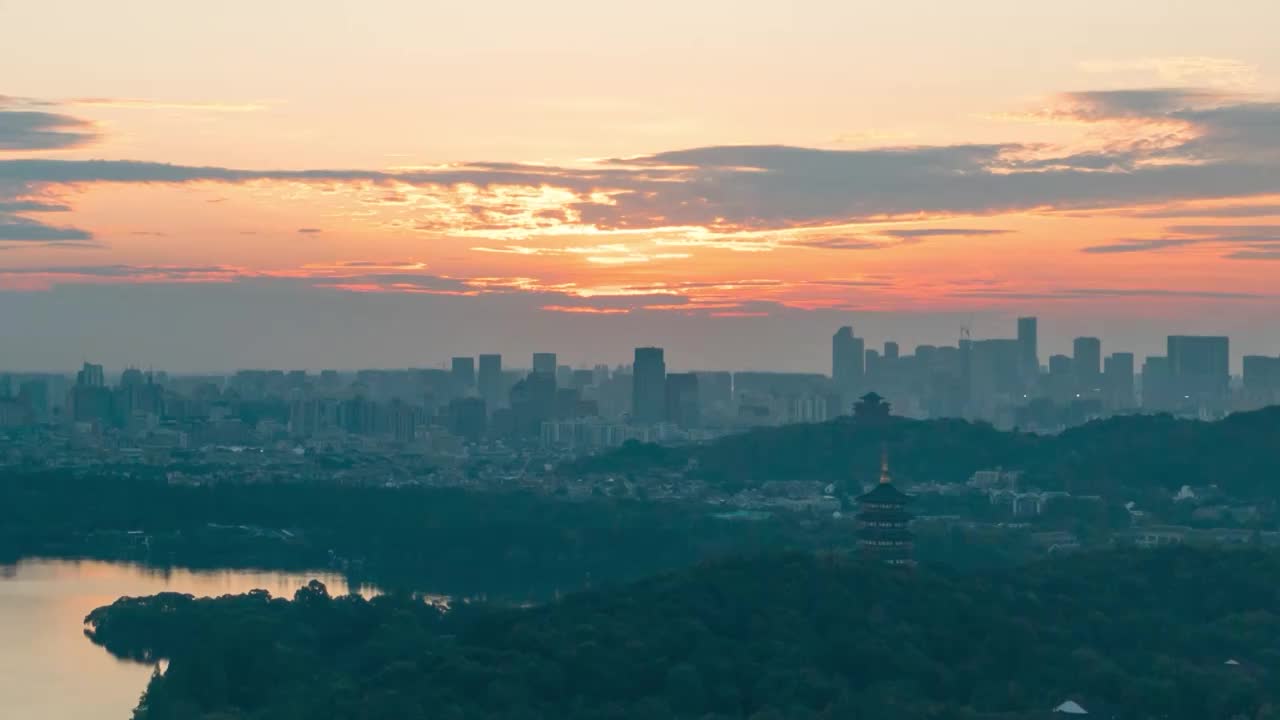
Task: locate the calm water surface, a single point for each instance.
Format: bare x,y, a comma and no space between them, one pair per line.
49,669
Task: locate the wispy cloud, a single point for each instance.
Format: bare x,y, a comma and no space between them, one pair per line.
26,130
1268,254
18,229
150,104
1219,211
883,238
586,310
1105,293
1187,70
1229,236
725,190
1139,245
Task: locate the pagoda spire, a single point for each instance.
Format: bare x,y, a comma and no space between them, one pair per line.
884,522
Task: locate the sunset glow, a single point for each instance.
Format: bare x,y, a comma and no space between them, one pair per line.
1110,182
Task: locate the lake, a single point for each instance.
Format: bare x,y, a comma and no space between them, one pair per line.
50,670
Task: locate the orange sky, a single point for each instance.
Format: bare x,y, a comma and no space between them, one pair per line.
728,160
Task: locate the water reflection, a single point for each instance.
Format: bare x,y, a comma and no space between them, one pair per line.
49,670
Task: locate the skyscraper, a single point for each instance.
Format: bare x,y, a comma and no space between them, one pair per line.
545,363
891,350
91,376
1028,347
1086,361
1157,384
1117,379
993,376
649,386
564,376
464,373
683,402
1200,371
847,360
490,380
1261,380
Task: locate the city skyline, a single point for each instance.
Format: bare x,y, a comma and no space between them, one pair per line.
815,354
468,174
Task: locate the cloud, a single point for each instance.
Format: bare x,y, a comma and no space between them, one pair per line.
1183,235
27,206
31,130
309,230
841,243
18,229
1227,211
43,278
1182,70
1184,144
881,239
1099,105
1268,254
1270,229
944,232
583,309
1139,245
119,270
144,104
1106,293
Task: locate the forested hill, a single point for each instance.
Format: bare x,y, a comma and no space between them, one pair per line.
1103,457
1161,634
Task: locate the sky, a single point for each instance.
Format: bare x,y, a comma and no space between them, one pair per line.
388,183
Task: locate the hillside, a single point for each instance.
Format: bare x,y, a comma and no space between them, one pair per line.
1170,634
1105,457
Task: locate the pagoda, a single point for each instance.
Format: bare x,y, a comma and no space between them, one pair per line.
884,521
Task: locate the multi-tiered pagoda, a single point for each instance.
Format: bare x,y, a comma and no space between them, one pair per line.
884,523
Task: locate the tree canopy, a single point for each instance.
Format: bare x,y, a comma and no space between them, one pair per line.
1161,634
1118,455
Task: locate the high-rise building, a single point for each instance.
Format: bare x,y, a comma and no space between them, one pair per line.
532,403
1029,348
1117,379
467,417
891,350
871,367
683,404
91,376
545,363
1060,382
582,379
564,376
1086,361
1199,368
599,375
847,360
1157,384
1060,365
715,391
463,370
490,380
35,395
649,386
1261,372
1261,380
994,380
